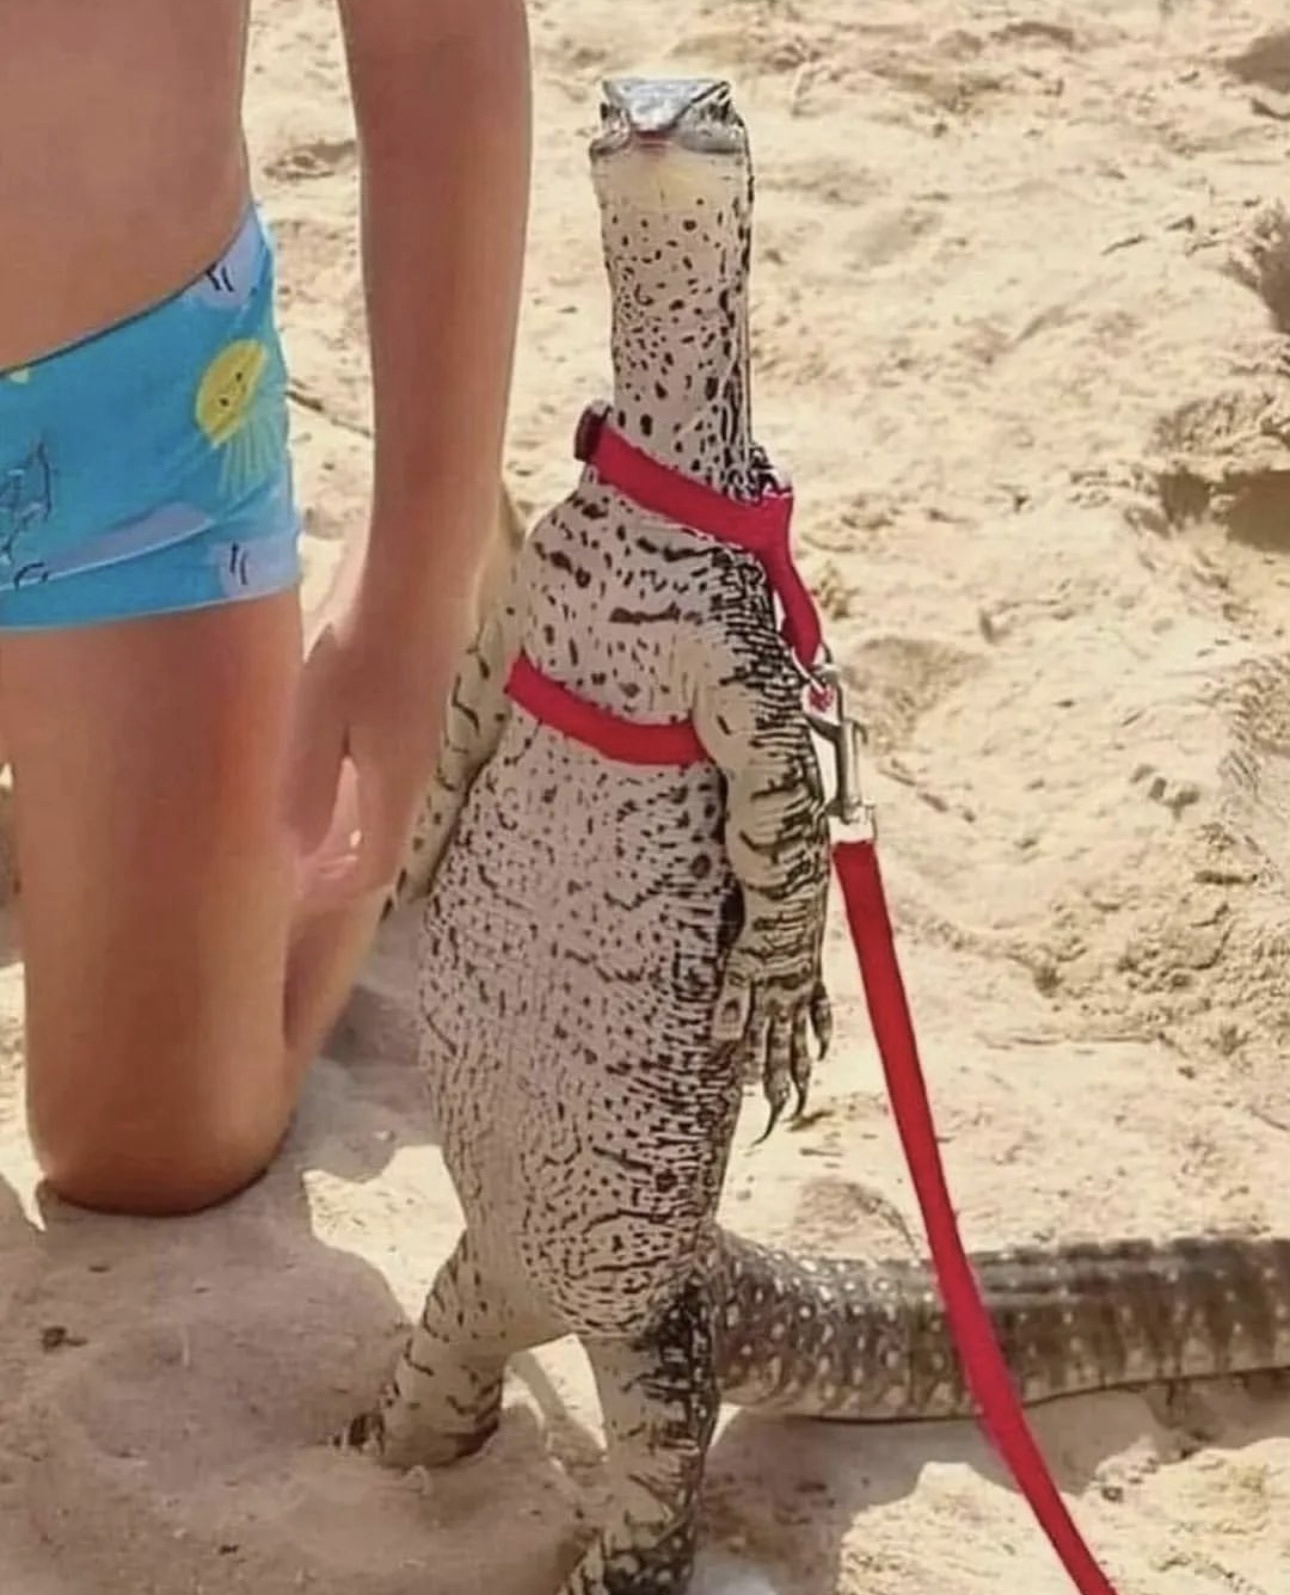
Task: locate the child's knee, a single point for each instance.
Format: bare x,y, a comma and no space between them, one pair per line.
103,1162
156,1192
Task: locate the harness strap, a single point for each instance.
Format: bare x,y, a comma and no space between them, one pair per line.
988,1378
762,528
759,526
673,742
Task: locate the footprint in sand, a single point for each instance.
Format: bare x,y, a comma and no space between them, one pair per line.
1221,479
318,157
1265,62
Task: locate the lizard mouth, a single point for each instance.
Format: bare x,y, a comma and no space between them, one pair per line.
620,138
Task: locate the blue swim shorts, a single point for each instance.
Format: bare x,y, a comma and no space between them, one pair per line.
145,470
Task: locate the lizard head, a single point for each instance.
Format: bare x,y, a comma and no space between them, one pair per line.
663,115
672,172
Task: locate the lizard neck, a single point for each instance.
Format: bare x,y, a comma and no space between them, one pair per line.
681,383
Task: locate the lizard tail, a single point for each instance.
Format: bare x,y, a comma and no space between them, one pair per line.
869,1342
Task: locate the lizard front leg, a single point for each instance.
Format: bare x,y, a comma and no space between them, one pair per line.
748,715
478,710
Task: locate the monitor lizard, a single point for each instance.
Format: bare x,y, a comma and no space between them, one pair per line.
609,947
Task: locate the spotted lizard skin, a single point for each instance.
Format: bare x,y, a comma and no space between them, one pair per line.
607,951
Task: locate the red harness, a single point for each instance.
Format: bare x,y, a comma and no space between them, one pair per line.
762,527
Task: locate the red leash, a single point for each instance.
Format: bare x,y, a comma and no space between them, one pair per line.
762,527
987,1373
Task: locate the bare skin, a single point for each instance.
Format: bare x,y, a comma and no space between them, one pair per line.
168,771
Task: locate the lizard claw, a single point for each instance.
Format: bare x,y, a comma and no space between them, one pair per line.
774,1044
767,1016
363,1434
801,1063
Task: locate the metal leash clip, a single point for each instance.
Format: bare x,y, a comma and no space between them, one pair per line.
846,738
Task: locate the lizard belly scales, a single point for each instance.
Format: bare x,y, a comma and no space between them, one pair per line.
569,1067
610,948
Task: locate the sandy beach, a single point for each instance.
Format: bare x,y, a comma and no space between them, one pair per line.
1022,297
